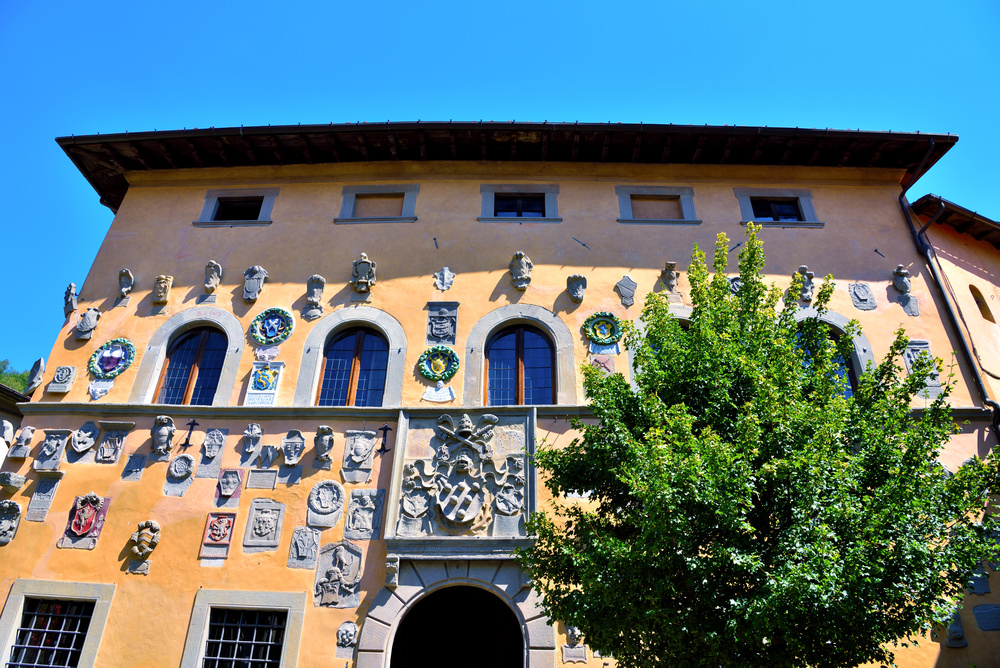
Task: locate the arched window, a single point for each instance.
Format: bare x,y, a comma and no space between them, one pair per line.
520,368
984,308
354,369
194,363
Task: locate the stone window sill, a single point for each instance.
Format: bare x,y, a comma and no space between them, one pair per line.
360,221
230,223
658,221
801,224
513,219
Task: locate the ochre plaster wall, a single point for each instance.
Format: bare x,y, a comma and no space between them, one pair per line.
864,238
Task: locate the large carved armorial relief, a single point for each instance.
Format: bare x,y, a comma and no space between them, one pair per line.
338,576
467,486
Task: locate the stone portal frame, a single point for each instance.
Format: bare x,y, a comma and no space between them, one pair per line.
418,578
100,594
520,314
294,603
156,352
355,316
861,354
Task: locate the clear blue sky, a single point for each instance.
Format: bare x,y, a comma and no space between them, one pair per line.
89,67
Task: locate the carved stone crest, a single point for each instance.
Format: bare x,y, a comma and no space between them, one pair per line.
323,442
144,541
735,283
808,286
358,454
443,279
161,288
520,270
314,297
363,277
862,296
181,467
10,518
338,576
253,283
576,285
85,437
264,526
52,450
218,535
462,488
347,635
304,548
163,434
85,522
914,350
229,482
213,276
326,504
626,290
88,323
111,446
125,282
442,322
214,440
11,481
364,514
22,444
62,380
292,446
901,281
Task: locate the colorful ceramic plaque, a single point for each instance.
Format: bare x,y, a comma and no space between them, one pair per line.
111,359
603,327
438,363
272,326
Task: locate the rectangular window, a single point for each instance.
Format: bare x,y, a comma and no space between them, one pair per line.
245,638
244,629
47,623
777,207
379,204
519,206
237,208
52,633
521,203
656,205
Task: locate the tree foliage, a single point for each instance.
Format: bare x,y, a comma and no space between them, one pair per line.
742,510
16,380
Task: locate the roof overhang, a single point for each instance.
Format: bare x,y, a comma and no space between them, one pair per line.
961,219
105,159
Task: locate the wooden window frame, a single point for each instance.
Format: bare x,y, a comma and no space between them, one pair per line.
519,357
352,383
192,372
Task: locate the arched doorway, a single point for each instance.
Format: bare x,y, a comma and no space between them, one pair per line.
459,626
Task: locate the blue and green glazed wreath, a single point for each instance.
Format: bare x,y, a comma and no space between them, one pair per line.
111,359
603,328
272,326
438,363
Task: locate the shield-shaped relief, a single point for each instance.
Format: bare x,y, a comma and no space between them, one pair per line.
88,323
214,440
253,282
145,539
293,445
87,514
83,439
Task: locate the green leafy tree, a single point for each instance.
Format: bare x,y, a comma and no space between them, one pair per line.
742,510
17,380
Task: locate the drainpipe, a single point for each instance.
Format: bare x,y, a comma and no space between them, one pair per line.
926,250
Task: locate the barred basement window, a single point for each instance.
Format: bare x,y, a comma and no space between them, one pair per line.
245,638
52,632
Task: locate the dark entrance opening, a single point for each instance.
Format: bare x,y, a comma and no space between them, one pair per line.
459,626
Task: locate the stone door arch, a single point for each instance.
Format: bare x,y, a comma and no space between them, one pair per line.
417,578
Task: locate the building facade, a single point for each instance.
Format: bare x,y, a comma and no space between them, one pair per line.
293,416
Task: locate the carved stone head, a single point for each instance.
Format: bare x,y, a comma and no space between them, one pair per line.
901,279
347,634
213,276
163,434
161,288
576,285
